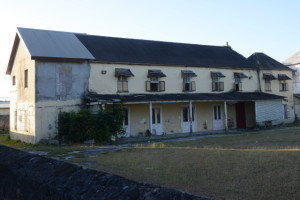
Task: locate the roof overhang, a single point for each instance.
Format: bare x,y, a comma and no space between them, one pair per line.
94,98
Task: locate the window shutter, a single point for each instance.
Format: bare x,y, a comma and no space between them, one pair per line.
193,86
213,86
161,85
240,87
125,86
286,87
148,86
221,86
280,87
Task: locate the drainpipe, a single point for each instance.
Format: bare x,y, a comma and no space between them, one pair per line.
225,111
150,117
191,118
258,73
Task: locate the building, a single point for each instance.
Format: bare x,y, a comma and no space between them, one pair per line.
293,63
167,87
4,113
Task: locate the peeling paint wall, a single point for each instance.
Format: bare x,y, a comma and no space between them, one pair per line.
22,99
60,87
107,83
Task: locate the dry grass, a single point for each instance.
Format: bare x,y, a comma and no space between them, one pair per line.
235,167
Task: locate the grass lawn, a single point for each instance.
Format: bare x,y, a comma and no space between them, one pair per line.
256,165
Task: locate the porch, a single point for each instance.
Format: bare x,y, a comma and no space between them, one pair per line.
191,113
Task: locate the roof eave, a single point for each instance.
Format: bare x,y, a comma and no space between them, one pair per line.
13,54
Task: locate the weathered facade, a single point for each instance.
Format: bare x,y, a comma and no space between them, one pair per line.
168,87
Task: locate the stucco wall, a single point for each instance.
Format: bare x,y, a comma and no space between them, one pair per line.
171,116
275,90
22,100
107,83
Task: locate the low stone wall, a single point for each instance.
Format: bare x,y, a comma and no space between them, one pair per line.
28,176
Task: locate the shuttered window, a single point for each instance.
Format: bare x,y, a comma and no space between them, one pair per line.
155,86
217,85
283,86
268,85
122,84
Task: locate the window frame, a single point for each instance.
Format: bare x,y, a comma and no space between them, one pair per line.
122,80
217,83
268,82
26,78
155,80
191,84
283,86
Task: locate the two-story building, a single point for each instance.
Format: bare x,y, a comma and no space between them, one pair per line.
167,87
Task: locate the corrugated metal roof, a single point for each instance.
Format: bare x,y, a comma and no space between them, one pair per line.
234,96
133,51
265,62
53,44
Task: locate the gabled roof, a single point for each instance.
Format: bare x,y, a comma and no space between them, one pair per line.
133,51
265,62
57,45
45,44
293,60
53,44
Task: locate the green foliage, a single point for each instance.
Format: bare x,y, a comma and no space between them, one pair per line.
83,125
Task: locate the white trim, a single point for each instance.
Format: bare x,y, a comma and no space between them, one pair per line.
213,116
159,126
194,123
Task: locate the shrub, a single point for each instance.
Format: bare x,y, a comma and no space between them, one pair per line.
83,125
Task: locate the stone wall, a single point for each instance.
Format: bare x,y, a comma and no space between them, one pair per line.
28,176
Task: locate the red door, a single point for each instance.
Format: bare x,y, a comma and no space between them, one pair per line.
240,115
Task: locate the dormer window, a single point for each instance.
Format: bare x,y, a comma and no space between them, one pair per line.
238,84
268,81
283,85
217,85
155,84
123,76
188,84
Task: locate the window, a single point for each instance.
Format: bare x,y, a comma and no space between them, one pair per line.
26,79
155,85
238,84
122,84
188,84
217,85
16,120
14,80
283,86
268,85
186,114
122,79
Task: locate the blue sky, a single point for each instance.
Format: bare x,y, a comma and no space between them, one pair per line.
269,26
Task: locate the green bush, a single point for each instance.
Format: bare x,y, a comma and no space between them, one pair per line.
83,125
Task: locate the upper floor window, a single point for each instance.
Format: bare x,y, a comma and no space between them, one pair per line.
188,84
268,85
14,80
123,76
238,83
283,85
217,84
26,78
268,81
155,84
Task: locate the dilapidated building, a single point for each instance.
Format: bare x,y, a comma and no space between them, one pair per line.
167,87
